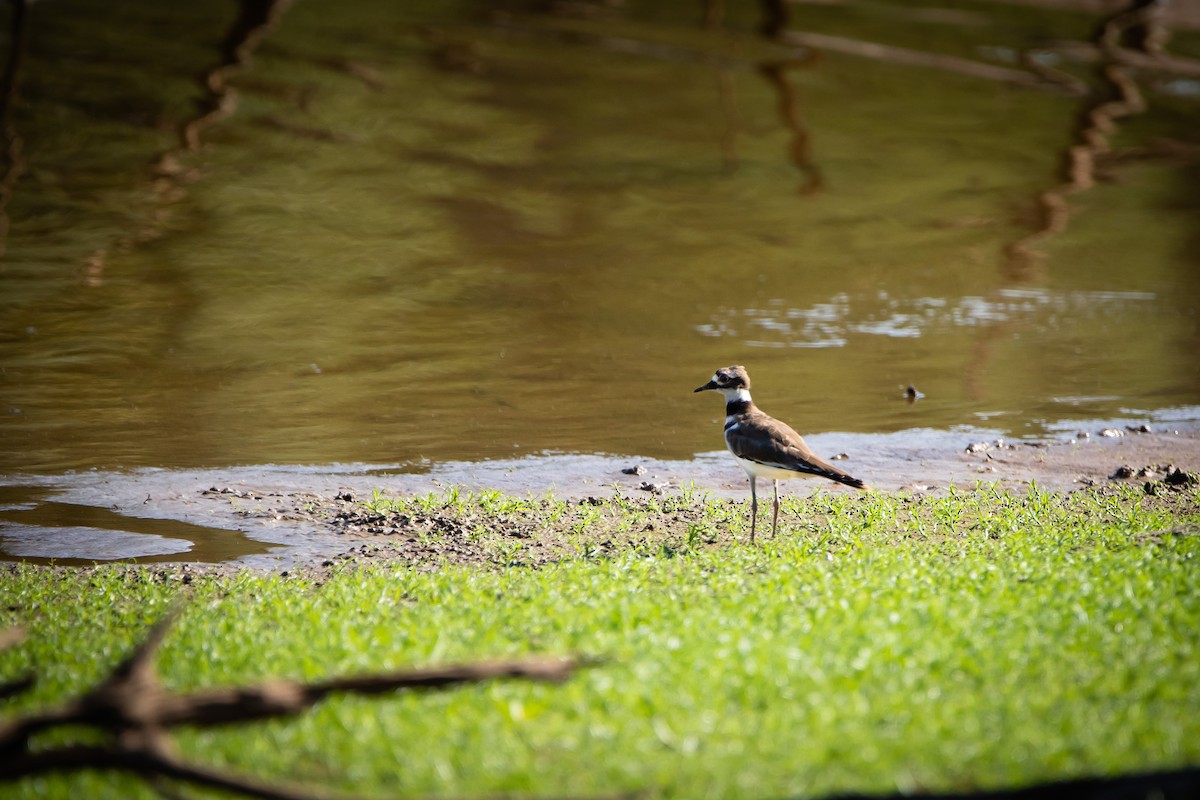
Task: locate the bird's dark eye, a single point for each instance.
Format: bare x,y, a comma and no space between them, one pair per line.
722,378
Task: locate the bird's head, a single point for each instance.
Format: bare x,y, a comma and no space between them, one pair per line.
733,382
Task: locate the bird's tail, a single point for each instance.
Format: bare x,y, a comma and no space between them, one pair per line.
849,480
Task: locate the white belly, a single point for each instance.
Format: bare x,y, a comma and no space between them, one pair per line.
756,470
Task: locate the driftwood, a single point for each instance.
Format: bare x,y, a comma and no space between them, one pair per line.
135,714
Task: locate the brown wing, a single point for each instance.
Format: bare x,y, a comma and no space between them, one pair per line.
766,440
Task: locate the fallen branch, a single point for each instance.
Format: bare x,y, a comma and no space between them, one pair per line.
135,713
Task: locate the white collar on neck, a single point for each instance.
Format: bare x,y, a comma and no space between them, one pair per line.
739,395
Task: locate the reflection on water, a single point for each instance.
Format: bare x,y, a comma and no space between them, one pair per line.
833,323
800,146
409,233
1085,156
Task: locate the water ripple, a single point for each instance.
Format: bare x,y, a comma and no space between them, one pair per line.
832,323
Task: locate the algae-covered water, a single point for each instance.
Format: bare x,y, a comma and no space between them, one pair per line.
415,232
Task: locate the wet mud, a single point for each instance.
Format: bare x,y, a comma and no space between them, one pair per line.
316,518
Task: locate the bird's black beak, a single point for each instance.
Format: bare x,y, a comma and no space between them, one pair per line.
709,385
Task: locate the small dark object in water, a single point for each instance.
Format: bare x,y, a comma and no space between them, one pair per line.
839,457
638,470
1123,471
912,395
1143,428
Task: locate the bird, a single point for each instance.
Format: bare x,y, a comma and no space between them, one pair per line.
764,446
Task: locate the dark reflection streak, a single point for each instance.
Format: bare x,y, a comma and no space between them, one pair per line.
1022,261
799,149
774,19
1142,25
1096,124
255,20
10,140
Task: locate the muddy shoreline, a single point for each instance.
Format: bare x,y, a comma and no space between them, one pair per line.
286,519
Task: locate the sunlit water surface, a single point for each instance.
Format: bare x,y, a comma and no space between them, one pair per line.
431,232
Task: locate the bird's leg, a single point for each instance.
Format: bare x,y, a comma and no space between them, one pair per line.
775,520
753,507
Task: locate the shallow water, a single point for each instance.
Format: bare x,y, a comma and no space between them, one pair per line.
434,232
38,529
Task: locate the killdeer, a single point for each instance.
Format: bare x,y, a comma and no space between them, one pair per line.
764,446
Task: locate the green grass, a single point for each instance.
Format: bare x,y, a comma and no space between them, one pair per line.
882,642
